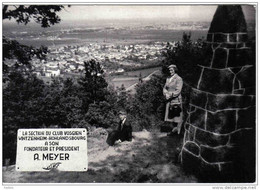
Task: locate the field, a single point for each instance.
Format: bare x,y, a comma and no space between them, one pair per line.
129,78
115,37
143,72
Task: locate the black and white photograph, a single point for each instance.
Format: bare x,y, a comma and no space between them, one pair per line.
129,93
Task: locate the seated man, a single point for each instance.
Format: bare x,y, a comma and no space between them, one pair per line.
123,132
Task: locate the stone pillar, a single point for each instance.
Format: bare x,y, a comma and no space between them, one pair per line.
219,140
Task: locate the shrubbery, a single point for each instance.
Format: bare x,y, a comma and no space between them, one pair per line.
68,103
143,106
30,103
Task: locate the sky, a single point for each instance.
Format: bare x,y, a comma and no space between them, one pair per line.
157,12
174,12
137,12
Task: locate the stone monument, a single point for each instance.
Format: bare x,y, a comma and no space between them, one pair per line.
219,140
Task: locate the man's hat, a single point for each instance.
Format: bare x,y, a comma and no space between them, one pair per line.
172,66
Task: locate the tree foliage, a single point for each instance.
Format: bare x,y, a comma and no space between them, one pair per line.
93,86
99,104
62,104
122,97
186,55
143,106
20,54
45,15
23,107
24,100
102,114
23,96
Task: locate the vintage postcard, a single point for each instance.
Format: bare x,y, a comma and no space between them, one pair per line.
123,93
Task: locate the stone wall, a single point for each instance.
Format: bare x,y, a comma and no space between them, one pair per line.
219,139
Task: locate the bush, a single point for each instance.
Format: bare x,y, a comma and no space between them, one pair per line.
143,106
23,102
102,114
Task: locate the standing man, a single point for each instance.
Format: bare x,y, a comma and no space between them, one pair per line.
172,92
123,132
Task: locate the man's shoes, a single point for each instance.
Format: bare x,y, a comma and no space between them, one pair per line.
117,142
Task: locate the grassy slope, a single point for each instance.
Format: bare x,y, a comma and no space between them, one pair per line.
149,158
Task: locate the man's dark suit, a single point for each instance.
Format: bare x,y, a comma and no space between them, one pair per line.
123,132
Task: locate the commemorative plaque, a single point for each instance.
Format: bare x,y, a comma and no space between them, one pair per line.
48,149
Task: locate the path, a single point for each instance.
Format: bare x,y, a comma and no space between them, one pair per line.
131,89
